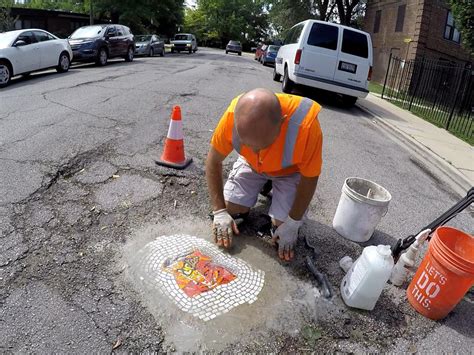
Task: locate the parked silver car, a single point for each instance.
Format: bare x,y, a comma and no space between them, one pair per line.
234,47
149,45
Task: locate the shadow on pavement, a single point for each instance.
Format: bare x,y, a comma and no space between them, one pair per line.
34,78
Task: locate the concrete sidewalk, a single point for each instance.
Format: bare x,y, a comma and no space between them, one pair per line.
450,154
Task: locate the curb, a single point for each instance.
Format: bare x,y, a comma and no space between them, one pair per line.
460,185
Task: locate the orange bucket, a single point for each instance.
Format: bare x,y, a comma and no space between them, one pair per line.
445,274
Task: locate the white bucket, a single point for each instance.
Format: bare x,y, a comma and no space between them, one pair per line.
362,205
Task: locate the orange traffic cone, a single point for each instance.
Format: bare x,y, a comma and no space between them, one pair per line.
173,155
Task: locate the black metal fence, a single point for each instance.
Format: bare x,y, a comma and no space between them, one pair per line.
442,93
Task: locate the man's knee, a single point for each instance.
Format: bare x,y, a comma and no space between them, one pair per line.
233,208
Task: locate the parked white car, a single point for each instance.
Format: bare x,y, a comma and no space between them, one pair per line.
26,51
327,56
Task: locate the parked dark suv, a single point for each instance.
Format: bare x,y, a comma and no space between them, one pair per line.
98,43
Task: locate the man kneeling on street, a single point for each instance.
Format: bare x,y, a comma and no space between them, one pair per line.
278,138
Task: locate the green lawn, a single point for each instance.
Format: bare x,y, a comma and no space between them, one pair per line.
375,88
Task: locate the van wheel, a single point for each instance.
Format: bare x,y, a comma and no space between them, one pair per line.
276,76
287,85
349,101
63,63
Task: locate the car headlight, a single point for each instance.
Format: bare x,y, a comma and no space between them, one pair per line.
172,44
188,45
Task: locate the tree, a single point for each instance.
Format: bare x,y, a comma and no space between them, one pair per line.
346,9
217,21
7,22
463,13
286,13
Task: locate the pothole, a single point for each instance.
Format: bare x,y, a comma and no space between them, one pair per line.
284,304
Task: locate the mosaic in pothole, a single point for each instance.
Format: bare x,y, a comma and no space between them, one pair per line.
198,277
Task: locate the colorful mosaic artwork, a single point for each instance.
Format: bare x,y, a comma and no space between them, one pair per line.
196,273
198,277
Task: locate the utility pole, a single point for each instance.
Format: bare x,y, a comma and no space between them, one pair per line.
91,13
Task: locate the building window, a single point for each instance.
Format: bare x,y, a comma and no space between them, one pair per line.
450,31
378,15
400,18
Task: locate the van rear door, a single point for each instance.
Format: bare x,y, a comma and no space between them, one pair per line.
355,59
319,55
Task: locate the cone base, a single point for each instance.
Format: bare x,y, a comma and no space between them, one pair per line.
180,166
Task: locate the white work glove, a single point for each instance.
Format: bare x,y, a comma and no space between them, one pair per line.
287,235
223,228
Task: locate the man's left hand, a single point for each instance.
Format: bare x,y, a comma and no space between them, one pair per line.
287,235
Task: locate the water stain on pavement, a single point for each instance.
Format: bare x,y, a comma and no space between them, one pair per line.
285,303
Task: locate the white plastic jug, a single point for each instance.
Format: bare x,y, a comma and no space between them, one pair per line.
364,282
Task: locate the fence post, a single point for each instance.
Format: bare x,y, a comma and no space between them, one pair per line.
416,85
451,114
386,74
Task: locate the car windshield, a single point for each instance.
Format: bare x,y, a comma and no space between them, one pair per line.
273,49
143,38
87,32
6,38
182,37
234,43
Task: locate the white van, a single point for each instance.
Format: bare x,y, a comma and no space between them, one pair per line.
326,56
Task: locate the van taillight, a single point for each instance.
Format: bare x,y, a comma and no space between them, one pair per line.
369,76
298,56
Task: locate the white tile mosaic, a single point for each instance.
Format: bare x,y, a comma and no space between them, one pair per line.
161,256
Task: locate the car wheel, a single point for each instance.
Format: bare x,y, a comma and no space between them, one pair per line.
287,85
151,53
5,74
172,51
103,57
129,56
240,53
63,63
190,51
276,76
226,52
162,54
349,101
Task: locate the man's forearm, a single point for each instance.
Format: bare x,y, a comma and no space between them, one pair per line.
304,195
214,183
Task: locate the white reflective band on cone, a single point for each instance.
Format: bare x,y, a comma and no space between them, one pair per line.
175,131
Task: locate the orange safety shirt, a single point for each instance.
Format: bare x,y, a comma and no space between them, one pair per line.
298,148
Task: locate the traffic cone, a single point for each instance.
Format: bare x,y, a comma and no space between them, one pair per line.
173,154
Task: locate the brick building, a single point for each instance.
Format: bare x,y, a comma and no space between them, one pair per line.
412,29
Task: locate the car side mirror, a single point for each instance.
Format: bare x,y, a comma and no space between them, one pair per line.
19,43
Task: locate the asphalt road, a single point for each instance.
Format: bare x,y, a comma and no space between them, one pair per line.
79,187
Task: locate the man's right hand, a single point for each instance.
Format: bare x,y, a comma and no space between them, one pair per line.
223,228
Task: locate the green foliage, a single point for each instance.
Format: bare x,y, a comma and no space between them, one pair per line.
286,13
161,16
463,12
6,21
215,22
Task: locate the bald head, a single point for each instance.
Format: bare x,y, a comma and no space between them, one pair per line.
258,118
